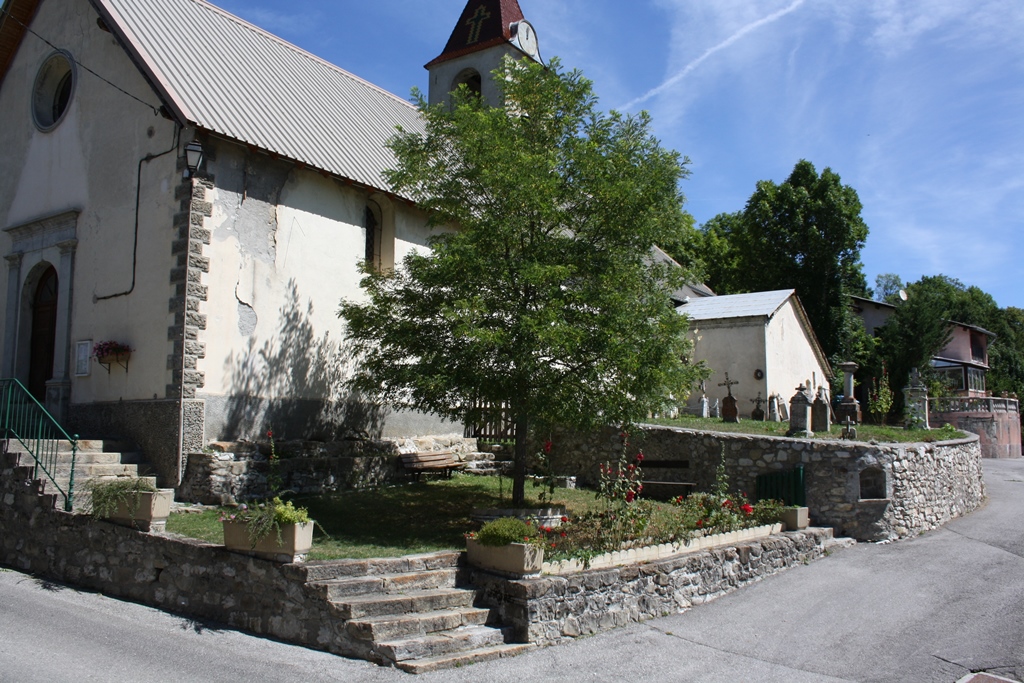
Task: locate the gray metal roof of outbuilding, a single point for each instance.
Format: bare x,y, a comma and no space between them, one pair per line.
756,304
229,77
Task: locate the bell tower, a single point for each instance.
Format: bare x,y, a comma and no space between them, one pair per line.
486,32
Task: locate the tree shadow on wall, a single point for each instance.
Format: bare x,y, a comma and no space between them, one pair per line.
295,384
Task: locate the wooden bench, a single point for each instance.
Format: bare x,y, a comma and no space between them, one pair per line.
667,490
441,461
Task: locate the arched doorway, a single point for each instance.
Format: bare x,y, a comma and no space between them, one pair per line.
44,333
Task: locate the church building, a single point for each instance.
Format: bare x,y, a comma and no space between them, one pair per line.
185,200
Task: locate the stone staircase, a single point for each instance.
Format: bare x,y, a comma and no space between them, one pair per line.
96,460
415,612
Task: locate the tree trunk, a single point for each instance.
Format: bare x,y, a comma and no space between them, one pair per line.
519,463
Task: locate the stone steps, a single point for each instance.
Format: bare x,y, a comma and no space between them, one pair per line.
338,589
95,460
391,627
457,640
375,605
487,654
415,612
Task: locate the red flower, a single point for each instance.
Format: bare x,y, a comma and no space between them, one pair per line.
632,468
547,446
270,433
564,518
639,488
640,456
700,522
727,503
623,435
563,534
630,496
747,508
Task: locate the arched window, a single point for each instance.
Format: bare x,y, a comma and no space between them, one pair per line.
372,225
44,333
471,79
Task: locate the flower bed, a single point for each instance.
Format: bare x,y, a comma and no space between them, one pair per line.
658,552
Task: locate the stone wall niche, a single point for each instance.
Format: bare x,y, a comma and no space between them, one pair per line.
873,484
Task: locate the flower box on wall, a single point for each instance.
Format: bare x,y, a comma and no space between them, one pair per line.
794,518
144,510
292,545
515,559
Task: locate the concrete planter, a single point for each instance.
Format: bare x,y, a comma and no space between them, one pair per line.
145,510
794,518
515,559
653,553
292,545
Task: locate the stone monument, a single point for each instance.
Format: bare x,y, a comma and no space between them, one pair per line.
730,411
849,407
821,413
758,413
800,412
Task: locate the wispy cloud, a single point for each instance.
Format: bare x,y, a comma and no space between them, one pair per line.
689,68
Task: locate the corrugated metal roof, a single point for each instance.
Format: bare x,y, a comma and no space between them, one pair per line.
756,304
230,77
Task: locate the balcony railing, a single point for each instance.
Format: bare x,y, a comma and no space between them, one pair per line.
965,404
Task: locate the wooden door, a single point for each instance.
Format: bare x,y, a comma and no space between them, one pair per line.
44,334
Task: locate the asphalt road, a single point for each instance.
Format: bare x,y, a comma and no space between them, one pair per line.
931,608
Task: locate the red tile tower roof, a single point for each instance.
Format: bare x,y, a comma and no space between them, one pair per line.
483,23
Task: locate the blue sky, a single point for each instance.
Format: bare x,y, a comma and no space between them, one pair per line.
917,104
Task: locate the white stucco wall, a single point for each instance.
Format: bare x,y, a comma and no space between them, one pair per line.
89,164
779,347
791,360
285,249
734,346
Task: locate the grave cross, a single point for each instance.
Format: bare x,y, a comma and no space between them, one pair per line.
728,384
849,429
758,402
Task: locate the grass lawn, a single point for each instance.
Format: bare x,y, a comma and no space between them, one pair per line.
390,522
865,432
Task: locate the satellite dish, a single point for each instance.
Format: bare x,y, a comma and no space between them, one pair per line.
903,294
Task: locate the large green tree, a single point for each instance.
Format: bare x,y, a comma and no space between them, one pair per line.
805,233
542,297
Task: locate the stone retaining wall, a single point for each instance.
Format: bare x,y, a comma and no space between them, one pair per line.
920,486
205,581
237,471
550,609
183,576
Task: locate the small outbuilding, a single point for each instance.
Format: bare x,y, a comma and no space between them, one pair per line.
763,341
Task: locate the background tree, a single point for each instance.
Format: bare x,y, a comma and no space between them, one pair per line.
544,298
804,234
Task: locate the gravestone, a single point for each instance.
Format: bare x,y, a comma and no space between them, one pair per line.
758,413
849,406
821,415
716,410
730,411
702,405
800,412
773,408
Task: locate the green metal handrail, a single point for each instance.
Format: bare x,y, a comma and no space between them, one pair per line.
24,418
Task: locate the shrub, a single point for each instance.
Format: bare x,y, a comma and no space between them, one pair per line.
505,530
107,495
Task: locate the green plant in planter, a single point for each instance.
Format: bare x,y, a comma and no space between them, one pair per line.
505,530
268,517
106,496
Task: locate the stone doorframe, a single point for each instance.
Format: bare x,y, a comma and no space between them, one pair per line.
50,241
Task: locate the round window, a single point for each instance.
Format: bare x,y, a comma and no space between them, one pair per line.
52,92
